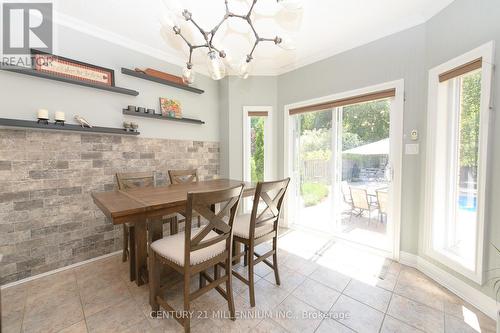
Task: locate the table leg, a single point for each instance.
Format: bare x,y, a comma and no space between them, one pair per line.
140,251
131,257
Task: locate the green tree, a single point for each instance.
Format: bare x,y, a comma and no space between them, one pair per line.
257,148
365,123
315,120
469,120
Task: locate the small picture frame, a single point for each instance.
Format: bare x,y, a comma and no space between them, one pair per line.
170,108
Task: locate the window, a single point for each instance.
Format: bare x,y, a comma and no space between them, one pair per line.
459,103
256,142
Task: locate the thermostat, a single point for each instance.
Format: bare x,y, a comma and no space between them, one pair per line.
414,135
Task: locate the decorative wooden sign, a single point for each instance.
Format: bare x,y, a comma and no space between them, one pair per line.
72,69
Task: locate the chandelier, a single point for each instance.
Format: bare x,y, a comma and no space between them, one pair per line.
215,56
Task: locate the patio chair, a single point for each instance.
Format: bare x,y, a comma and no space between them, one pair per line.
346,194
361,203
382,198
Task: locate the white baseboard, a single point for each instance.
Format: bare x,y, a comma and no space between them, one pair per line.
34,277
471,295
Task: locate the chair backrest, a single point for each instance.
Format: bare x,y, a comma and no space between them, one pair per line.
271,195
346,193
382,198
359,198
129,180
183,176
222,221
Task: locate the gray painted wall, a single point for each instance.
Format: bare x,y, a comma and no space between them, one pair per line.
408,55
237,93
22,95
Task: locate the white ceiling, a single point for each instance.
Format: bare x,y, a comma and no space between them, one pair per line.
321,29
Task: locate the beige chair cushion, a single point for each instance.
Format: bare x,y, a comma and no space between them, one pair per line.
172,248
241,227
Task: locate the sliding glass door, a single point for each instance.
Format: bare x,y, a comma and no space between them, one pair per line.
341,163
314,184
364,174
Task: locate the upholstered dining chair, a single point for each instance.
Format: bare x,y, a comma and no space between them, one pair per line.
183,177
194,251
126,181
258,227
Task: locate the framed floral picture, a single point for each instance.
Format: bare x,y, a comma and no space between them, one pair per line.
170,108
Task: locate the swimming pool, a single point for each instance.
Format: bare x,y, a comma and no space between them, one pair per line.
468,204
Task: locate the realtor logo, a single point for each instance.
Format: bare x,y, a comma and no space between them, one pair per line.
26,26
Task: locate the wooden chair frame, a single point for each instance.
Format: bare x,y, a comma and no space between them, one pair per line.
204,204
176,177
122,180
251,258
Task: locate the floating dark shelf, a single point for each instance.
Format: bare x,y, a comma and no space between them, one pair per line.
32,72
157,116
158,80
67,127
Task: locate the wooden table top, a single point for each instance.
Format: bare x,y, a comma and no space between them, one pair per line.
116,204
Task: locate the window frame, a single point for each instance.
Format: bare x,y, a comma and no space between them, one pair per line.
267,141
435,117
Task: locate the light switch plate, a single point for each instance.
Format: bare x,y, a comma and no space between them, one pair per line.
411,149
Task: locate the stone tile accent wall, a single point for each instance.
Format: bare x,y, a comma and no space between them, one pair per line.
47,217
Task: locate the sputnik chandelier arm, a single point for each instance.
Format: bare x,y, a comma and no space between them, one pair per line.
215,65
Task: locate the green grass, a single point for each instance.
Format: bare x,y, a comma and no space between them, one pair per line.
313,193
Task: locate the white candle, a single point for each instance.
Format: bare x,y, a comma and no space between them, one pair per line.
43,114
59,115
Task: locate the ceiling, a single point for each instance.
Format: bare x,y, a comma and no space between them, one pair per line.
320,29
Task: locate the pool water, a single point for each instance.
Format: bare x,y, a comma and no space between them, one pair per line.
465,203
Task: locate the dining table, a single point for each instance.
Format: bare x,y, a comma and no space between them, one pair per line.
145,207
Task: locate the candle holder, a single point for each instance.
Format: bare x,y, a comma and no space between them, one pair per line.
43,117
59,118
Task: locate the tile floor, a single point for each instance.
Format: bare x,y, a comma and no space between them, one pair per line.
326,287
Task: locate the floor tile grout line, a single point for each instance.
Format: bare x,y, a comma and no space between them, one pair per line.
24,311
81,303
331,307
402,320
388,304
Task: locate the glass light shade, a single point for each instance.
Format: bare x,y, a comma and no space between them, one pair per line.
188,75
169,21
287,43
173,6
244,70
291,4
216,67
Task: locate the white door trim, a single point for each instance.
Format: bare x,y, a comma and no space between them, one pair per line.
396,134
